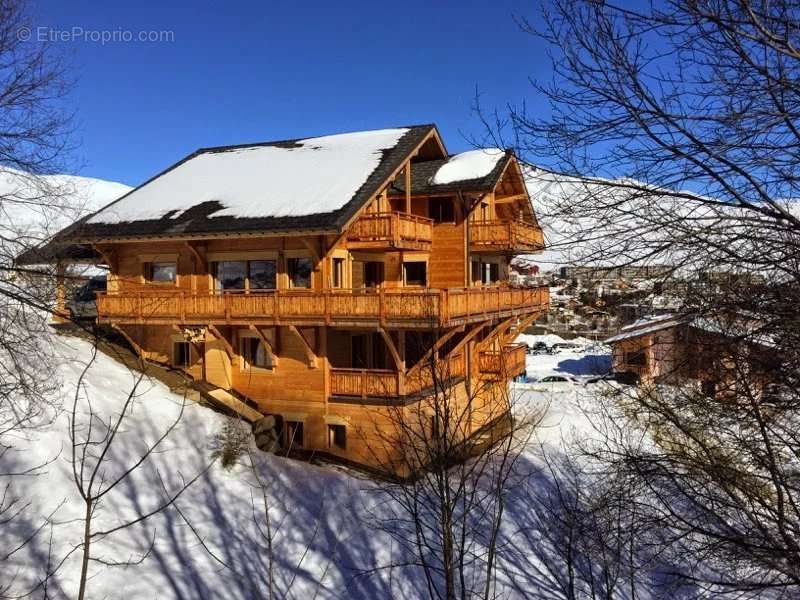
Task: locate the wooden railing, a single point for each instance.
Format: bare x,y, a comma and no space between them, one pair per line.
506,235
411,306
382,383
507,363
364,382
423,378
391,229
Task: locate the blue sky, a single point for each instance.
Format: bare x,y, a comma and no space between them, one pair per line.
251,70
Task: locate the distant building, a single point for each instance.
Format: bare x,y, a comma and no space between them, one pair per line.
679,348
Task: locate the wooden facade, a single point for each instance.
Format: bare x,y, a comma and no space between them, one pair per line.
332,329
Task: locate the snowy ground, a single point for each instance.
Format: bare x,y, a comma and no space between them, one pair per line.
315,508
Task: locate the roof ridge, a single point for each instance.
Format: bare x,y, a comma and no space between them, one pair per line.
224,148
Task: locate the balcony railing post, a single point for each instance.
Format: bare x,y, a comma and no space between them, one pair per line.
382,306
394,226
363,383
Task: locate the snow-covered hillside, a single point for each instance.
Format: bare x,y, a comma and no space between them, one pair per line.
39,206
323,542
606,223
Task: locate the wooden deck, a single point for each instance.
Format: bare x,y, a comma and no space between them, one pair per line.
508,236
390,230
510,362
389,307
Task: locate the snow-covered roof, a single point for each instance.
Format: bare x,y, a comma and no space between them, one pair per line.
472,164
309,176
646,327
310,184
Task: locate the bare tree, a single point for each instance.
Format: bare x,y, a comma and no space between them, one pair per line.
450,456
101,468
672,138
34,135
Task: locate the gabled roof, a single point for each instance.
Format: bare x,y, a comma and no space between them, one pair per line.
648,326
431,177
302,184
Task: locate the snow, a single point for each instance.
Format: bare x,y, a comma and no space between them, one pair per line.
530,339
472,164
646,327
39,206
314,175
589,222
319,514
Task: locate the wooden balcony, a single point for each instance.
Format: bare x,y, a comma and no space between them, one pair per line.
505,236
386,384
390,231
510,362
388,307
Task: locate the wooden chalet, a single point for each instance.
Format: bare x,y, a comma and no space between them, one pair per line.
710,353
313,279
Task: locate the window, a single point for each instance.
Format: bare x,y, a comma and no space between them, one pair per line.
254,353
636,358
261,274
441,210
337,437
181,356
338,272
373,274
299,272
294,434
476,271
161,272
230,274
415,273
241,274
491,272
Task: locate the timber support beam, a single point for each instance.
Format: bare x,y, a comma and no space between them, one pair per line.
310,355
267,344
218,335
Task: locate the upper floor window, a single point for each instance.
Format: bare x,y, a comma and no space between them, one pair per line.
243,274
441,210
415,273
230,274
299,271
262,274
161,272
338,273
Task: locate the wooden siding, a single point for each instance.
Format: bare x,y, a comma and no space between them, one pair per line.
447,266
